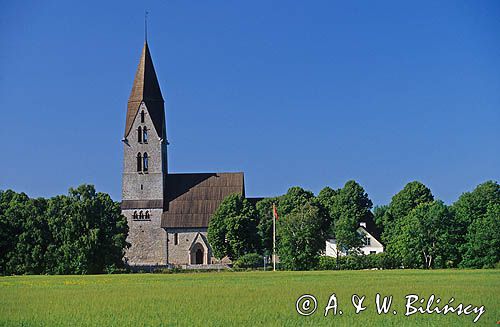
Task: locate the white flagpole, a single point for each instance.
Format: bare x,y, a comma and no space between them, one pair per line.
274,238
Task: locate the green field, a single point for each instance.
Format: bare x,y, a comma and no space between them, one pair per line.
241,299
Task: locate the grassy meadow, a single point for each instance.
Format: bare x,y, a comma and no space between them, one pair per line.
241,298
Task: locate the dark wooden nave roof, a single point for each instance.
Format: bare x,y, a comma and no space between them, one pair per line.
191,199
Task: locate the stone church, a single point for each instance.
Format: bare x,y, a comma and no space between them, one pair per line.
167,213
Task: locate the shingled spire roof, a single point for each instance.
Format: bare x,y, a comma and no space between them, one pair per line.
146,89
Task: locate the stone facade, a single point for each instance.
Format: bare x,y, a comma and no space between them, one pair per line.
143,185
148,240
185,243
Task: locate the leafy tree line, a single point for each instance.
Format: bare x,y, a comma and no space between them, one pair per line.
239,228
83,232
417,230
420,231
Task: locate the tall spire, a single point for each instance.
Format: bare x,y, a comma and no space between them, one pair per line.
146,89
146,26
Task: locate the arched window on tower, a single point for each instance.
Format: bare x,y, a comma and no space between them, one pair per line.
142,116
139,162
141,215
145,163
135,215
147,215
145,134
139,134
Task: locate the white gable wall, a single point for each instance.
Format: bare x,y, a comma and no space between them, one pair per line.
374,245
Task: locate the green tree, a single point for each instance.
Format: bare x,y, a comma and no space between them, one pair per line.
476,210
88,232
347,207
302,229
352,207
83,232
413,194
428,237
9,226
473,205
327,197
295,198
379,213
302,237
22,234
482,248
232,230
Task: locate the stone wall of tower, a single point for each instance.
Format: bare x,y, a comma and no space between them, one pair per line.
152,182
148,240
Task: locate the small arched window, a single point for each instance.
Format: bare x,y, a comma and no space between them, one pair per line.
141,215
147,215
176,238
139,162
142,116
139,134
145,163
145,134
135,215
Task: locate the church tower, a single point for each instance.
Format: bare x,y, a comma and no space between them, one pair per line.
145,167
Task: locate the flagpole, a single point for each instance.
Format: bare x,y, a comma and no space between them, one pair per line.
274,238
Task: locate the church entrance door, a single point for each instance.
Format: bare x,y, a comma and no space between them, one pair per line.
199,256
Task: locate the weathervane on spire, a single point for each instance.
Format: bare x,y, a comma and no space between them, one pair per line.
146,26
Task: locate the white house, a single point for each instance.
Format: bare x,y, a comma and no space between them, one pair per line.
371,240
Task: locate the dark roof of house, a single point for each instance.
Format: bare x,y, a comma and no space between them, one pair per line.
254,200
146,89
372,228
191,199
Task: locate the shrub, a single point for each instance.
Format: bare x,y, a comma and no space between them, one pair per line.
327,263
357,262
113,269
387,261
249,260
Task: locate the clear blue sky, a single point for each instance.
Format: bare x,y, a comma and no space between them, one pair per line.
308,93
